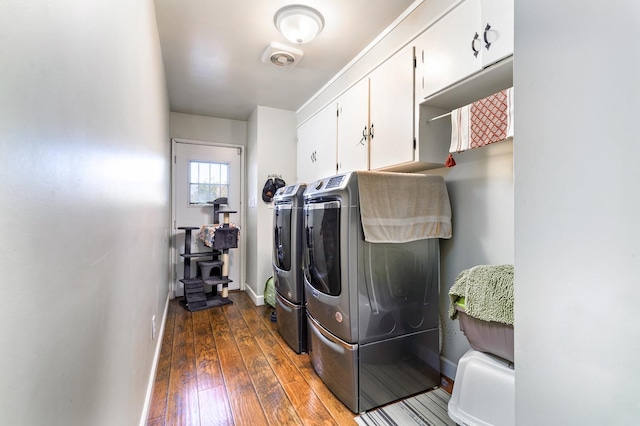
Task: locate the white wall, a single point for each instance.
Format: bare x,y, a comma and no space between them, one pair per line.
480,188
271,149
208,129
577,239
253,197
84,190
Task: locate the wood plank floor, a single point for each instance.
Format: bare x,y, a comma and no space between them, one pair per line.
229,366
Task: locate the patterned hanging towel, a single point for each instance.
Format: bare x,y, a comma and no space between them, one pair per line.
482,122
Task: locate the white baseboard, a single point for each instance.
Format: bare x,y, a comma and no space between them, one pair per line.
258,300
154,367
448,368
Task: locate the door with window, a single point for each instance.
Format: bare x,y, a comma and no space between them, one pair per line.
203,173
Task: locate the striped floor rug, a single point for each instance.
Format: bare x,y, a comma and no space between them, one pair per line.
428,409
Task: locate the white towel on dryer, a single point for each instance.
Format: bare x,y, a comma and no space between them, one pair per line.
403,207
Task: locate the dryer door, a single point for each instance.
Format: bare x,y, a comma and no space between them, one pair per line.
327,296
286,277
282,236
322,249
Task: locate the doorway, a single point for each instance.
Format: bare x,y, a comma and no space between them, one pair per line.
202,172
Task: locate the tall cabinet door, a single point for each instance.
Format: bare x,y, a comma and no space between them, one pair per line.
497,30
449,47
353,128
391,108
316,155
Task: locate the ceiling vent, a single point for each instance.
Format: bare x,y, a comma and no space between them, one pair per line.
282,55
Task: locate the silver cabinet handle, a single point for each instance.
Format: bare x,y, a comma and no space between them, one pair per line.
484,36
364,137
473,45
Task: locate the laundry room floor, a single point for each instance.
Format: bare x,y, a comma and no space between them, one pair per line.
229,366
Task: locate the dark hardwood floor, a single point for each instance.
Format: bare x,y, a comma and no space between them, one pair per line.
229,366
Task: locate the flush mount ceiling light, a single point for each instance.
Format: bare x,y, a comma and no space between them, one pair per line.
298,23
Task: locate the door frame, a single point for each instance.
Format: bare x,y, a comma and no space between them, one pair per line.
175,251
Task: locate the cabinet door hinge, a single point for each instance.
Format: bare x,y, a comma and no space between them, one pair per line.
175,161
415,62
414,143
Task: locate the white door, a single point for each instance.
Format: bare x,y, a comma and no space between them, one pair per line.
317,146
497,30
353,128
202,173
391,110
449,46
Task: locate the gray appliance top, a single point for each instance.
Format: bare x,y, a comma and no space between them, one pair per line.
290,194
324,186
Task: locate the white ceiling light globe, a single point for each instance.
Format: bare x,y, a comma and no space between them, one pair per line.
299,24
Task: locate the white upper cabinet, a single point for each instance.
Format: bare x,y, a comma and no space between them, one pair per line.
497,30
472,36
387,120
353,128
391,103
376,117
446,52
316,155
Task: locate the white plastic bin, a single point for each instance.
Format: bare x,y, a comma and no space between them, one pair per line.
483,392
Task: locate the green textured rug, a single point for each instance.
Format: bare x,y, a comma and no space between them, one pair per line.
428,409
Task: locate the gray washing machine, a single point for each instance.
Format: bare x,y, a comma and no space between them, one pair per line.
372,308
287,266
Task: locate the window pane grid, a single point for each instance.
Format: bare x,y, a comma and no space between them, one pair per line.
207,181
